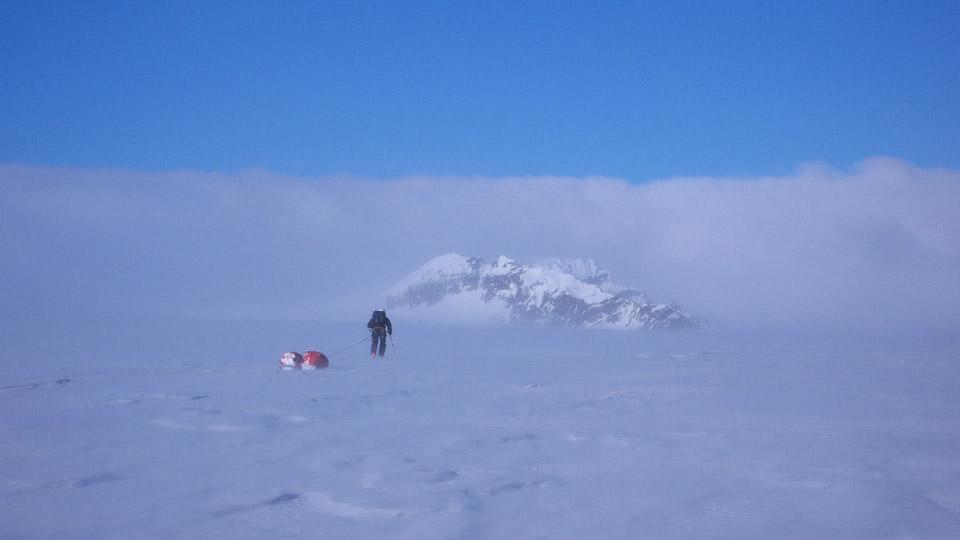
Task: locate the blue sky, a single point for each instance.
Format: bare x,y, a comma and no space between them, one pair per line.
635,90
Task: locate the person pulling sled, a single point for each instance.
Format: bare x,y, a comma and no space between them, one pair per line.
380,327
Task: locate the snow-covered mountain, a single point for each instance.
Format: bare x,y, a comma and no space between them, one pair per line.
571,292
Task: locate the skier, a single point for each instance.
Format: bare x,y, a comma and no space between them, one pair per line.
380,327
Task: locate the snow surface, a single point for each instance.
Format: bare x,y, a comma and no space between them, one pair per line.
190,430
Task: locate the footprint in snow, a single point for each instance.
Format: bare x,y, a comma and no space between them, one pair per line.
442,477
180,426
505,488
164,395
34,385
318,502
514,486
203,410
326,504
122,401
347,463
94,480
279,501
518,438
282,498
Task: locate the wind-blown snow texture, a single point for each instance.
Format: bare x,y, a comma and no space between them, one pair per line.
191,431
570,292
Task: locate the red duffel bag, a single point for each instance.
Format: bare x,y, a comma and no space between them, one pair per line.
314,360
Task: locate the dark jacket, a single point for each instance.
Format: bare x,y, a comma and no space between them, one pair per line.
380,322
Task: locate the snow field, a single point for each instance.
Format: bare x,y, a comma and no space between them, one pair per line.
490,433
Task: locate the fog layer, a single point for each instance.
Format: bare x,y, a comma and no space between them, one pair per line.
872,247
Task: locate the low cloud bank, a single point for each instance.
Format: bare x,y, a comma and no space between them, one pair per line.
877,246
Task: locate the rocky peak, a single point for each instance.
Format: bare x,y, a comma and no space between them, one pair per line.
571,292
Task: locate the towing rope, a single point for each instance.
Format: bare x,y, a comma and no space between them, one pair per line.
348,348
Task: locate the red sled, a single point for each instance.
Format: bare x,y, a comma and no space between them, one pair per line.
314,360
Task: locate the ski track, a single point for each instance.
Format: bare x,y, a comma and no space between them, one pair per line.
529,438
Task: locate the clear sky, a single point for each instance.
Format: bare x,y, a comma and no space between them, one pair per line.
637,90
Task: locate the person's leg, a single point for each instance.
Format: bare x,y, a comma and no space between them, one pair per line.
383,344
373,344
